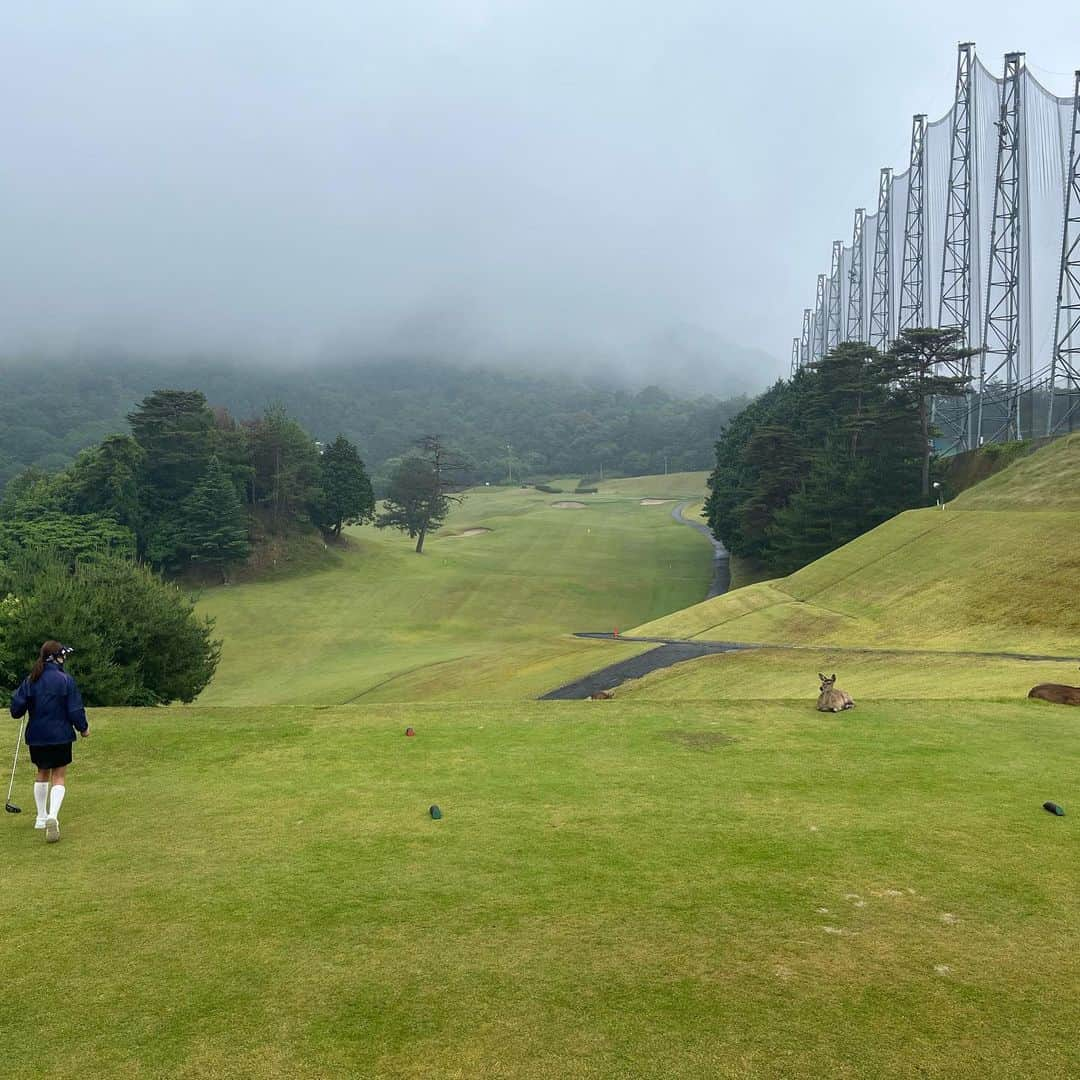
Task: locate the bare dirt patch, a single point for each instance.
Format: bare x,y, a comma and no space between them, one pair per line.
655,502
699,740
569,505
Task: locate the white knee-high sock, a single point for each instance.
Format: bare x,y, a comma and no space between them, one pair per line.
56,797
41,796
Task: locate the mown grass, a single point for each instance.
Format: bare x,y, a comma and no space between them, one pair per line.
787,673
998,570
486,616
736,889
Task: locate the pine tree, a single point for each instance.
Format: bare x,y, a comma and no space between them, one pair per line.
345,496
914,364
215,530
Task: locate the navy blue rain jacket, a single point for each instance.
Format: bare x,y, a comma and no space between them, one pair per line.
56,708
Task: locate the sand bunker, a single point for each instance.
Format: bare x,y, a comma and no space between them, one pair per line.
468,532
655,502
568,506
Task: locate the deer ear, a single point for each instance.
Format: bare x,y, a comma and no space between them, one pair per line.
820,676
833,676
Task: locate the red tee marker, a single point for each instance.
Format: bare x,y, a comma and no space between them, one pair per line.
616,634
409,731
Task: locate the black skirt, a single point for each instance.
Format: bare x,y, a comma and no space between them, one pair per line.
51,757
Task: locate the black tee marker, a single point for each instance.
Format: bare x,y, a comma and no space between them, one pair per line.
1054,808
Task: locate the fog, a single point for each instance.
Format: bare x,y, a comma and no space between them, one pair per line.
645,187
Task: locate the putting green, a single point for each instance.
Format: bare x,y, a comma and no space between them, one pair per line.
476,617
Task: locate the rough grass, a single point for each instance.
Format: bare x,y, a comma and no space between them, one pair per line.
742,890
998,570
486,616
1047,480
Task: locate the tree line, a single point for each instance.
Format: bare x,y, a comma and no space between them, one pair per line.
87,552
517,423
840,447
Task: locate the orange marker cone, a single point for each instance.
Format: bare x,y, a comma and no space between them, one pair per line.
616,634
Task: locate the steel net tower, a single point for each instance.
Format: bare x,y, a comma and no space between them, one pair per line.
796,355
955,307
820,317
999,364
1065,366
912,294
834,326
804,341
880,310
855,280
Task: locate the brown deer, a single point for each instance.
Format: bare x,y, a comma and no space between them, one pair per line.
832,699
1057,693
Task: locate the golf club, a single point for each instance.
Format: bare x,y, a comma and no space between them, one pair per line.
9,806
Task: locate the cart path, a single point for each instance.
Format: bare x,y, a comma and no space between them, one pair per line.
671,651
721,580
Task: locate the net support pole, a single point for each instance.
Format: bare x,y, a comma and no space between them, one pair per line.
834,324
880,313
1065,364
855,328
999,363
912,291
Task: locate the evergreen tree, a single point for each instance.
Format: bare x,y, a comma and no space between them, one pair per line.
138,639
174,429
413,503
215,526
422,490
345,496
916,364
285,464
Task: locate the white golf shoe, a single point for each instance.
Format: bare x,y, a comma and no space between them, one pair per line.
52,830
40,823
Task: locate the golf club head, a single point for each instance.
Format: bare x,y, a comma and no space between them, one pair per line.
11,808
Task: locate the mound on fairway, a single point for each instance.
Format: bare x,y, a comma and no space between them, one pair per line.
997,570
758,892
490,619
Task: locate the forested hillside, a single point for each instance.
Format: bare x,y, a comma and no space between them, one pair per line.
554,424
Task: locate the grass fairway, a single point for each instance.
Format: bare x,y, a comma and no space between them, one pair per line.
484,616
620,889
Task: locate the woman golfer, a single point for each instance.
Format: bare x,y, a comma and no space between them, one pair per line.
56,713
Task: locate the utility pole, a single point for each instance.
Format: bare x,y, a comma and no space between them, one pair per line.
509,464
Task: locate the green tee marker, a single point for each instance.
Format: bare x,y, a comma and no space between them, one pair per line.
435,812
1054,808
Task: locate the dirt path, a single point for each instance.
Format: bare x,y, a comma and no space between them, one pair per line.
721,580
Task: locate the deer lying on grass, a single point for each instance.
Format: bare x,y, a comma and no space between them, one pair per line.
1058,693
832,699
602,695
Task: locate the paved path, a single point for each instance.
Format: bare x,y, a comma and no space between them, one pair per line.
610,677
676,650
721,580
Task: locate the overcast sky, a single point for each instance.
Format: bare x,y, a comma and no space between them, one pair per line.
520,176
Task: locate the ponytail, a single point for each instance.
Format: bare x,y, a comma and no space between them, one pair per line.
49,651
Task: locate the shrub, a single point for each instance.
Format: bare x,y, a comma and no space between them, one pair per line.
547,489
137,639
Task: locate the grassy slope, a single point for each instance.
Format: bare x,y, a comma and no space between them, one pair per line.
998,570
614,890
476,617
